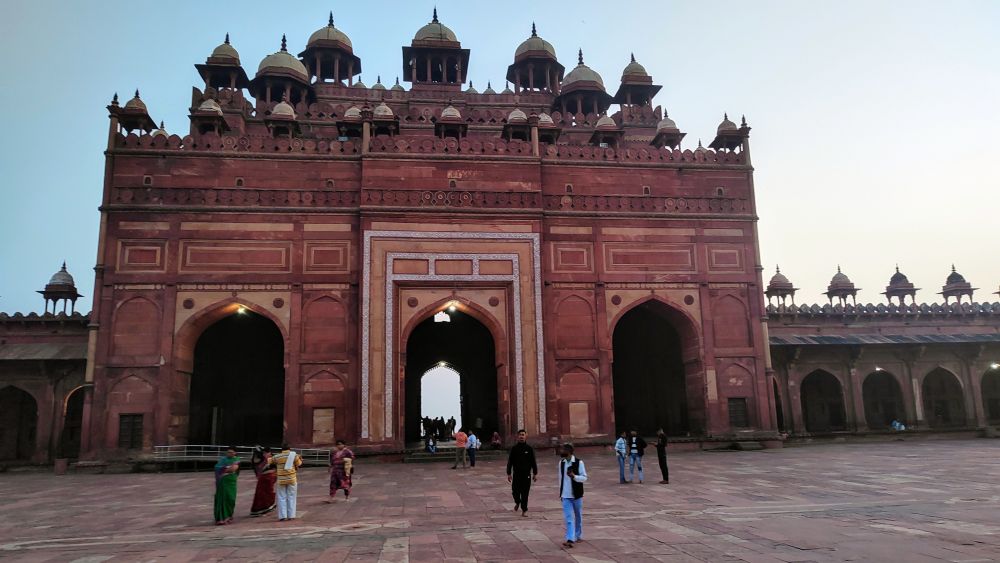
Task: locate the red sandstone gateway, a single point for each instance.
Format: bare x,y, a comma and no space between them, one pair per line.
274,273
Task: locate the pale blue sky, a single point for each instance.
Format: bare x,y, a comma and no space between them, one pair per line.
874,122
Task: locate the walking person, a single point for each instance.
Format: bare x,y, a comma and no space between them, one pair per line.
621,452
263,495
341,469
521,471
661,455
637,447
287,463
227,471
471,446
572,476
461,440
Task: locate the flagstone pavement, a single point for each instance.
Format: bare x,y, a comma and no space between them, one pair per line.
910,502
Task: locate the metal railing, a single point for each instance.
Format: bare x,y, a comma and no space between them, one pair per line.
206,452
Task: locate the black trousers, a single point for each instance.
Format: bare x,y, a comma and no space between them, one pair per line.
520,486
662,458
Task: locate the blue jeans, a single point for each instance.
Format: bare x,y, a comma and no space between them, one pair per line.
572,508
633,460
621,468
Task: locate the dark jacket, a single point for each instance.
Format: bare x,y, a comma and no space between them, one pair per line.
521,460
638,444
661,446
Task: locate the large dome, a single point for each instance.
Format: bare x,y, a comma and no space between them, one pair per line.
435,31
583,73
329,33
283,61
535,43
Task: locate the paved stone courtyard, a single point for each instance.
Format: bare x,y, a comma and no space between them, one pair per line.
899,501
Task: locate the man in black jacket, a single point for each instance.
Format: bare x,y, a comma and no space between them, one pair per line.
636,449
521,471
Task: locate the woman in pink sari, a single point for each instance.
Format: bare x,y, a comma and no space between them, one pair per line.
267,475
341,468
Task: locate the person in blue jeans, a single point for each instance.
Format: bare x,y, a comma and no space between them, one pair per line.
637,447
621,452
572,476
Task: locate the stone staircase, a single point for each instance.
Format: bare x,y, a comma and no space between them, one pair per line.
446,453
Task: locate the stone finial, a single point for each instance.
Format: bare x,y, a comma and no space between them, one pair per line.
284,43
227,38
580,56
489,87
161,127
435,18
743,121
330,22
137,93
397,81
114,100
534,32
633,57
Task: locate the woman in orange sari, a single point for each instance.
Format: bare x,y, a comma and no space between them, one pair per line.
267,475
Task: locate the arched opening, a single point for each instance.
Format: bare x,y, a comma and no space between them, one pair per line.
779,411
69,439
656,372
18,424
944,403
991,395
465,345
441,396
822,403
883,399
238,382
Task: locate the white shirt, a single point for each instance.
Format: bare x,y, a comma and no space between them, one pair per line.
473,442
565,486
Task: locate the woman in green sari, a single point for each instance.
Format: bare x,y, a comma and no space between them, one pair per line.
227,471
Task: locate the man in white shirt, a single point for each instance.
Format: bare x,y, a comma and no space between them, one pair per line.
471,446
572,476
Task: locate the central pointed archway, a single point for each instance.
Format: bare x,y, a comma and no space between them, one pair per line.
465,344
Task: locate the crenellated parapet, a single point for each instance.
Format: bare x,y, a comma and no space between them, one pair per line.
882,310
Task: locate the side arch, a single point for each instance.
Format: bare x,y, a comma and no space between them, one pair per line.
132,322
822,396
18,424
944,399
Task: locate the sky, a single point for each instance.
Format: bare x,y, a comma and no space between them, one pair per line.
874,122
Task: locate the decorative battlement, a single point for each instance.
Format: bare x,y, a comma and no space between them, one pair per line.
882,310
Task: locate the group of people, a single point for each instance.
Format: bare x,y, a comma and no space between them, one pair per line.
277,481
438,428
277,476
630,447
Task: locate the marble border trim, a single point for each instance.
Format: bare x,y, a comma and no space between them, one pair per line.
533,238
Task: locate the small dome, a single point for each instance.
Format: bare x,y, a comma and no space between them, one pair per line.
489,89
160,132
283,109
283,61
634,69
545,119
726,125
840,279
779,279
535,43
135,103
583,73
700,148
435,31
210,105
62,277
606,122
359,84
954,277
471,89
397,87
666,124
383,111
507,89
378,84
225,51
329,33
352,112
898,278
517,116
450,113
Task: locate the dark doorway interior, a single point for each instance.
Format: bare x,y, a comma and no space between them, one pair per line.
238,384
18,424
883,400
823,403
944,404
991,395
779,411
648,373
466,346
69,442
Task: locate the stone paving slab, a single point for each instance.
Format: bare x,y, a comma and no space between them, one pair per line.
898,502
